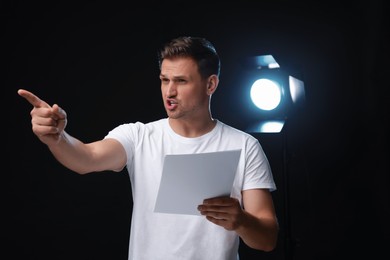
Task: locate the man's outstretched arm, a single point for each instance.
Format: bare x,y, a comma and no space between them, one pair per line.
48,124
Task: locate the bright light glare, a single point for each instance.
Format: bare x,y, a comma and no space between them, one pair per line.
273,65
297,90
267,126
272,127
265,94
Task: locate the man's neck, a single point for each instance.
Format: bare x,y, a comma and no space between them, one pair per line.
192,128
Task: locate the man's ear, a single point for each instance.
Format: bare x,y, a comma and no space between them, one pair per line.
212,84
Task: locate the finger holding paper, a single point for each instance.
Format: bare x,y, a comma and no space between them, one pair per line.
222,211
254,221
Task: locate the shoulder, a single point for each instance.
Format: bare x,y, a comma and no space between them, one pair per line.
141,125
137,128
231,130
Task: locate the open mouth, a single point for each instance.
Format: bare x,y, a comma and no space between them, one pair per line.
171,104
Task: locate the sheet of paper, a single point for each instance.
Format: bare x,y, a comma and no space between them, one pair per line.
188,179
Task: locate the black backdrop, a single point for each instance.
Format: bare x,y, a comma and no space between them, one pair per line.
98,61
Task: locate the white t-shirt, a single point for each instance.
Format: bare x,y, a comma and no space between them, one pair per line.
155,236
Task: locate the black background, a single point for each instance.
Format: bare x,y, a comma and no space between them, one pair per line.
98,60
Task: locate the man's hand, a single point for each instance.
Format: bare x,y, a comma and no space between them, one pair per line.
223,211
48,122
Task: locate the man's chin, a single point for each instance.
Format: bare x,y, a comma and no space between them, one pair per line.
172,114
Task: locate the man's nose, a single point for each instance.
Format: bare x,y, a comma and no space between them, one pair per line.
171,89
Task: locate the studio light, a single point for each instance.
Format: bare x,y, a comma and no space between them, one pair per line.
274,96
274,93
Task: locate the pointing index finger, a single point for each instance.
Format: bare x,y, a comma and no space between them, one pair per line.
32,99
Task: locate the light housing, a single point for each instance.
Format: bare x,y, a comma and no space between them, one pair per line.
273,92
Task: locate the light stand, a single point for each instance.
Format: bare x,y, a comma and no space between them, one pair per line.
289,242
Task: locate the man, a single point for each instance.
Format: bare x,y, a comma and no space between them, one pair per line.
189,73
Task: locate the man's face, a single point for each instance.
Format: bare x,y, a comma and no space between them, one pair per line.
184,92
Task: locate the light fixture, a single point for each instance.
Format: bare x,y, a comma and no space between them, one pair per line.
275,93
275,96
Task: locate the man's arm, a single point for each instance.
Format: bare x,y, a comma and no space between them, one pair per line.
48,124
259,228
106,154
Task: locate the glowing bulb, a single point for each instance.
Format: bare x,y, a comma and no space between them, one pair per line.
266,94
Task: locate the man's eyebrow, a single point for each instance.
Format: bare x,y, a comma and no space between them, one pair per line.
174,77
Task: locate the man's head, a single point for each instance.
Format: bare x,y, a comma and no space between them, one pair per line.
189,74
199,49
